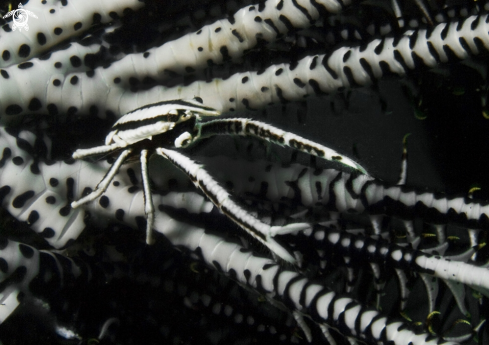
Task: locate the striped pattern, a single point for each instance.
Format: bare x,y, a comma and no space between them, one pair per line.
186,219
313,75
248,127
297,292
221,199
339,191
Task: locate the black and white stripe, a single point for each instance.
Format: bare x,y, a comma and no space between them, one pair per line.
297,292
258,129
339,191
220,198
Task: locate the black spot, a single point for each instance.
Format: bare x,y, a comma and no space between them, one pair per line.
64,2
26,251
34,104
74,80
58,65
145,55
247,274
33,217
72,110
6,154
24,51
90,74
51,200
200,49
217,30
18,160
104,201
75,61
6,55
64,211
70,183
25,65
43,2
4,74
52,10
299,82
286,22
77,26
132,176
86,191
3,265
45,56
116,183
35,168
244,80
52,109
313,63
47,233
93,110
315,86
117,80
113,15
132,189
97,18
217,265
13,109
53,182
225,55
279,71
58,31
238,35
56,82
119,214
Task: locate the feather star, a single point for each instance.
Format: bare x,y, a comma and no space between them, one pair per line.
383,261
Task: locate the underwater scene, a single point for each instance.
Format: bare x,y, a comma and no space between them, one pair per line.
244,172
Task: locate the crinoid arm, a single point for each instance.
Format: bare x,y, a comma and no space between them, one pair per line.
248,127
221,199
104,184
